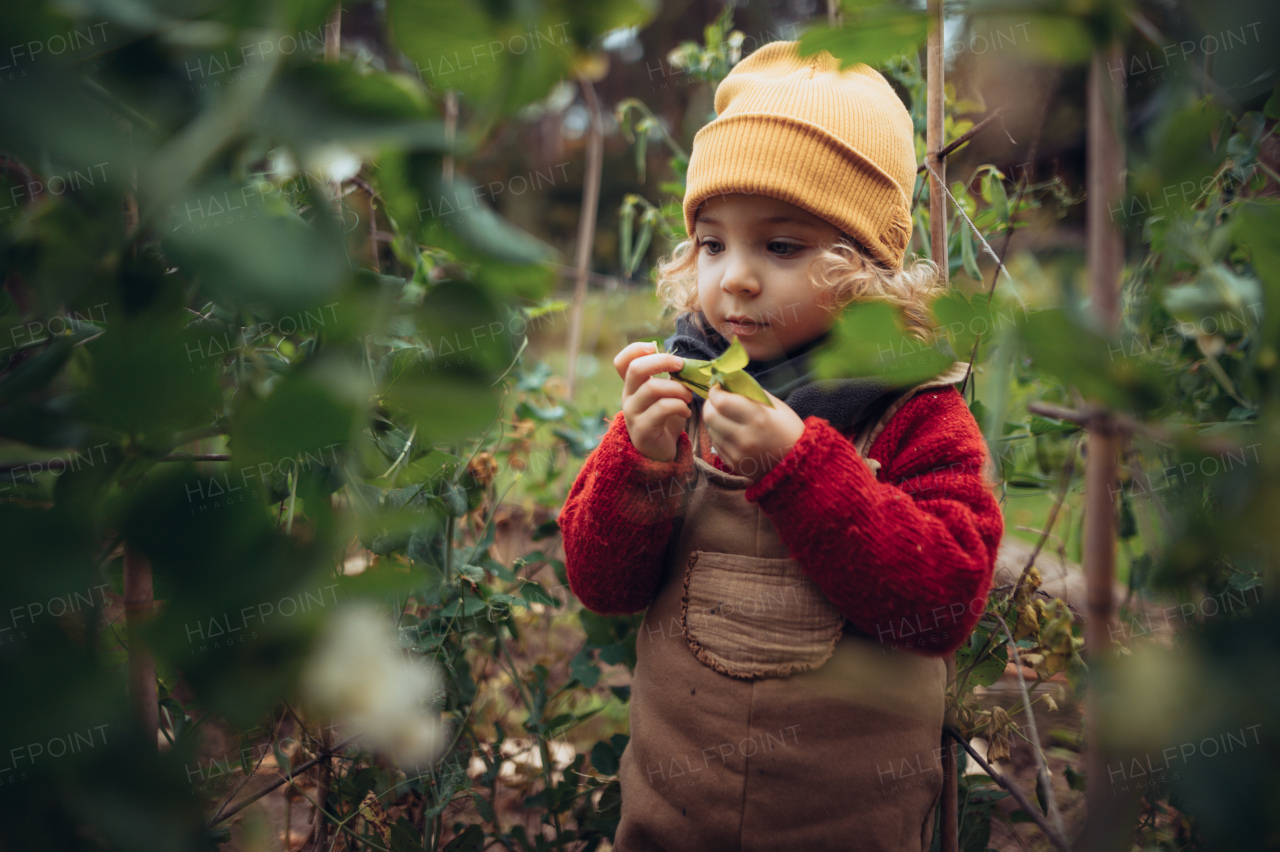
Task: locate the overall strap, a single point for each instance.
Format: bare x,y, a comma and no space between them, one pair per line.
704,469
866,438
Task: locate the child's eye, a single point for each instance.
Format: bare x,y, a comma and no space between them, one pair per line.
707,243
787,248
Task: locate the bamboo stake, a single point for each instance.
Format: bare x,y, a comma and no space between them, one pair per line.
1105,161
586,229
934,127
935,111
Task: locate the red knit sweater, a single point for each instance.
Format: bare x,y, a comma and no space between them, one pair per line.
906,556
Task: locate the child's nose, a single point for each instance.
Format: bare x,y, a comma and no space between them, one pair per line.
740,276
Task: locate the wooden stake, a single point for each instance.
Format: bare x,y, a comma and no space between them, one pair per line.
935,111
935,108
1105,161
586,229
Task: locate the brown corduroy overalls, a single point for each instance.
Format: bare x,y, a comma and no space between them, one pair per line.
760,718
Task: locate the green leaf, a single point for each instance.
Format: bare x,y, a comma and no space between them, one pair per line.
458,206
734,358
420,381
474,573
1044,426
404,837
534,593
438,36
465,606
967,258
999,198
247,251
1183,161
1257,228
1042,795
626,221
695,375
728,371
281,759
33,374
470,840
1099,368
143,380
872,34
310,414
744,384
326,102
604,758
1271,109
482,807
583,669
868,340
989,670
963,320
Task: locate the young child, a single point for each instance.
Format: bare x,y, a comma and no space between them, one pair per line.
806,566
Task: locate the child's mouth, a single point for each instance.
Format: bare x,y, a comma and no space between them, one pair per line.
745,327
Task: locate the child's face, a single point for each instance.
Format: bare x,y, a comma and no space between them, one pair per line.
753,271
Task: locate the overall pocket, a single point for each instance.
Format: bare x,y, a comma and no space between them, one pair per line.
749,617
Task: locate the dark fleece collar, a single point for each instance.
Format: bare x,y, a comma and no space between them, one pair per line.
841,402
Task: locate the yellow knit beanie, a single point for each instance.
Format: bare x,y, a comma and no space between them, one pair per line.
839,144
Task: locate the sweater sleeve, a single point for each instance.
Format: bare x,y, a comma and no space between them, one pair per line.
617,521
908,560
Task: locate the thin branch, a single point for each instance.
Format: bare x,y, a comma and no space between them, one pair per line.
252,772
1042,765
1031,810
1068,469
325,754
983,240
965,137
1008,234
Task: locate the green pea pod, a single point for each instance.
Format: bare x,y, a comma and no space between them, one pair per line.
726,371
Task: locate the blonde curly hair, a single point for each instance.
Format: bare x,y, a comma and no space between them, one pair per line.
844,273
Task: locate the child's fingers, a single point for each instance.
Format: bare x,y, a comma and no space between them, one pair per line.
629,353
733,406
655,388
642,368
668,407
622,361
654,393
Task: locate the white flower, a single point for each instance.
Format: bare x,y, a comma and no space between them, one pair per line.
358,675
336,162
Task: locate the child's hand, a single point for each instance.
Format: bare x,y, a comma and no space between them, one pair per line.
654,409
752,438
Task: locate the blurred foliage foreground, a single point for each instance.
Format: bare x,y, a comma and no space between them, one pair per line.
248,342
